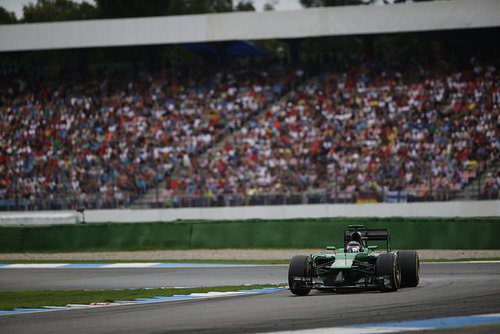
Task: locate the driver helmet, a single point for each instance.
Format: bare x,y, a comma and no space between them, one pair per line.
353,247
356,236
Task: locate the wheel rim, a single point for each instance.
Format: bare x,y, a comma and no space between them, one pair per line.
397,274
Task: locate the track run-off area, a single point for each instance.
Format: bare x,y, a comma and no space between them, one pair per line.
453,289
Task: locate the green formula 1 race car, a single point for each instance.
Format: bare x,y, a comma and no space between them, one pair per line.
356,266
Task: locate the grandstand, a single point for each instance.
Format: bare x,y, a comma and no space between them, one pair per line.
327,119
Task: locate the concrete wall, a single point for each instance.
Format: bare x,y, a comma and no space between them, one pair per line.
39,218
428,209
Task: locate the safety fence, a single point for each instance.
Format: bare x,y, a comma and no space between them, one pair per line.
159,200
407,233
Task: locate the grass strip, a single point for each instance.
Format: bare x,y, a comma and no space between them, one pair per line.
37,298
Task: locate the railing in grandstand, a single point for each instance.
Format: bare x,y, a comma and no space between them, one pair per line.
94,201
189,201
313,197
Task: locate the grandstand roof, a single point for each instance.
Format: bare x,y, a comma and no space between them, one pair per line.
345,20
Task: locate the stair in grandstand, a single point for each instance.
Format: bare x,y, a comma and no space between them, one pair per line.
153,196
473,190
149,198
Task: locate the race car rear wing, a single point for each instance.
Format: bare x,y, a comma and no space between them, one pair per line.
362,235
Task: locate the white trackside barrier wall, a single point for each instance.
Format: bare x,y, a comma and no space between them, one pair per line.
39,218
428,209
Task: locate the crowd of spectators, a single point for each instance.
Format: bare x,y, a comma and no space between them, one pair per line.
425,132
103,143
248,130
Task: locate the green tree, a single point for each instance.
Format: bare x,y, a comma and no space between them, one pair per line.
7,17
220,6
141,8
58,10
328,3
270,5
64,10
244,6
132,8
180,7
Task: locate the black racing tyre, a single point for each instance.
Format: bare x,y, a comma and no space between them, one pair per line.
299,267
410,268
388,266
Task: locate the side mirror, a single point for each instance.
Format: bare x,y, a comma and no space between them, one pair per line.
331,248
372,247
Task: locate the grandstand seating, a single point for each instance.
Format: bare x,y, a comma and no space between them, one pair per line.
249,130
362,131
102,144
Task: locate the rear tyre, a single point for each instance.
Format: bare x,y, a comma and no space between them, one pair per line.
410,268
299,267
388,266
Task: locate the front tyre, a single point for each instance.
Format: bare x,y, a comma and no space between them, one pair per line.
410,268
299,267
388,267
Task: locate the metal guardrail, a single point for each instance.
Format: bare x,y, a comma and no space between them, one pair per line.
323,196
92,201
316,197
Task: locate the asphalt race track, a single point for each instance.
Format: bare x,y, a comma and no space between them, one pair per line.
444,290
69,279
